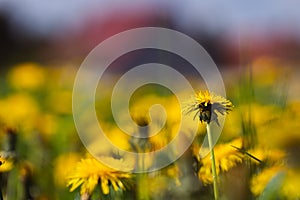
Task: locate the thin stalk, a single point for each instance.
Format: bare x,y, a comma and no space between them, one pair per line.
143,193
142,182
213,162
1,196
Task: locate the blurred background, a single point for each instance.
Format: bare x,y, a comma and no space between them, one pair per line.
255,44
59,31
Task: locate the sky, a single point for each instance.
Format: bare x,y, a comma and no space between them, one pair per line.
265,16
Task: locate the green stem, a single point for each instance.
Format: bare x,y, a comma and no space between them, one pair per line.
142,176
213,162
142,182
1,196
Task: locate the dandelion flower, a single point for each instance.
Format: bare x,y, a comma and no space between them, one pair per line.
290,186
287,187
27,76
63,166
271,156
89,172
18,109
226,159
207,106
164,180
6,164
261,180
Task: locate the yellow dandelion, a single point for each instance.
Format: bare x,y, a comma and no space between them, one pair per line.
174,172
6,164
207,105
63,166
260,181
166,179
226,157
161,128
65,101
18,109
27,76
287,186
162,139
290,185
118,138
89,172
267,155
47,125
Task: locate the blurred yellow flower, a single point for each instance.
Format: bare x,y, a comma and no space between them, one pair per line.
282,131
89,172
157,185
260,181
268,155
64,97
27,76
174,172
139,109
159,133
163,180
118,141
63,165
18,109
46,125
260,114
262,118
118,138
290,186
6,164
226,157
163,138
171,127
232,127
207,105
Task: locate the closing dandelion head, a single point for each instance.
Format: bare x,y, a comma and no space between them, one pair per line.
207,106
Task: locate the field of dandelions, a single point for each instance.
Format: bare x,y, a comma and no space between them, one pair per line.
256,157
